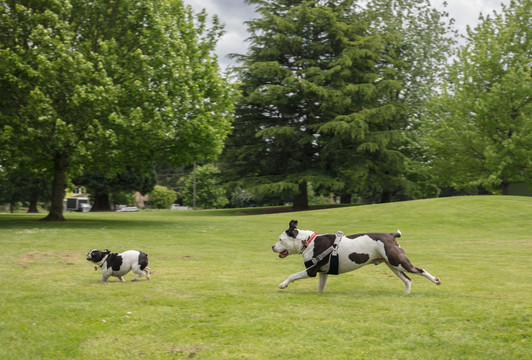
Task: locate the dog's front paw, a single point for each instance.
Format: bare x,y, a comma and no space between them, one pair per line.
283,285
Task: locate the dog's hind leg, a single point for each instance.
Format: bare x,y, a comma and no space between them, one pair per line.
401,275
405,265
297,276
147,270
434,279
323,281
140,273
397,259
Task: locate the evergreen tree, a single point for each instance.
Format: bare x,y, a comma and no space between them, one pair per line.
312,106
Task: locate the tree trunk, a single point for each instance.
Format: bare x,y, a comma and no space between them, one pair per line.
58,189
505,187
345,199
301,199
33,206
101,203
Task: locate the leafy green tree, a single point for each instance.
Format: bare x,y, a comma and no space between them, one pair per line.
311,98
107,84
418,41
480,131
16,189
209,192
20,185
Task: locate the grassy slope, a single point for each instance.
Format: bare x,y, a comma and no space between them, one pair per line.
214,290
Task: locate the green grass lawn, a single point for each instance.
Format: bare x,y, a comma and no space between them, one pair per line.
214,295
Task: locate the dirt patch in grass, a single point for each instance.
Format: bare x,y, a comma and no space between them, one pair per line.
190,353
32,257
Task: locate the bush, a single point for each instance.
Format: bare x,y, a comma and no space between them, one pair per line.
161,197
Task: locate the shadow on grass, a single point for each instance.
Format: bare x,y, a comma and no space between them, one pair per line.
35,221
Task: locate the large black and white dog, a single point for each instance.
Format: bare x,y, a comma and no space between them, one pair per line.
118,265
353,252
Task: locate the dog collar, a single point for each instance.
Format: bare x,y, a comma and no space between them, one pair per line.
103,260
308,241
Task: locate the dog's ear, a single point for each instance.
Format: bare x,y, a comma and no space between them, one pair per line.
292,231
292,224
106,251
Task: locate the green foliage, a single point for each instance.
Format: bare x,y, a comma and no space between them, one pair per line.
103,187
418,41
480,129
209,192
329,90
161,197
107,84
241,198
124,198
308,83
24,187
214,295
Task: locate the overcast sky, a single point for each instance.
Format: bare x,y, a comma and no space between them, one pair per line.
233,13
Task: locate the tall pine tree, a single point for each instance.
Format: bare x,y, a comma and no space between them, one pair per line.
312,106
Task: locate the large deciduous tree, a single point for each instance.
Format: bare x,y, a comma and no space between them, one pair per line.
107,84
418,40
480,131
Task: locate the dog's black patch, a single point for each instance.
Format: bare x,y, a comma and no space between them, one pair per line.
114,261
321,243
97,255
143,260
358,258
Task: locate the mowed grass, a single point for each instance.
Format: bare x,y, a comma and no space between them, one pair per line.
214,294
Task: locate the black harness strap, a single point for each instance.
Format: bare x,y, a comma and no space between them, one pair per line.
332,252
333,265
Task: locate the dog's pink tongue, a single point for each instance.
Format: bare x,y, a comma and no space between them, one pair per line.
96,268
283,254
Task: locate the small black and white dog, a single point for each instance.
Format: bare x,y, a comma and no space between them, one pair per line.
118,265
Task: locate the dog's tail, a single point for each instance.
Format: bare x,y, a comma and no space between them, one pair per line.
396,234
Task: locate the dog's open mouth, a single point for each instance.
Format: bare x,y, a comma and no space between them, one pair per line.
283,254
